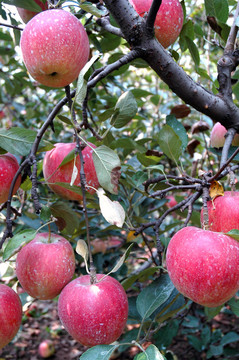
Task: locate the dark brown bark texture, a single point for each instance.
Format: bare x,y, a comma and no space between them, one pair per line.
219,107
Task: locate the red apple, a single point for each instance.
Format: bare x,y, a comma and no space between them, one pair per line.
223,212
217,137
27,15
46,349
168,22
8,169
10,314
53,159
204,265
93,314
2,114
55,47
172,201
43,268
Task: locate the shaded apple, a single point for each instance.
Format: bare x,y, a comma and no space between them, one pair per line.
168,22
93,314
217,137
8,168
55,47
53,174
46,349
10,314
204,265
171,201
27,15
45,265
223,212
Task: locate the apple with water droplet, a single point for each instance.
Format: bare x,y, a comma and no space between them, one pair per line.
93,314
45,265
55,47
204,265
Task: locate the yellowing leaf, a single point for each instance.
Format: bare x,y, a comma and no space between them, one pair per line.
74,173
82,249
131,236
216,189
112,211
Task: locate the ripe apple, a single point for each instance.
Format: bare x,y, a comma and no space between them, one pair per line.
204,265
10,314
45,265
53,159
168,22
46,349
93,314
55,47
172,201
2,114
8,169
217,137
223,212
27,15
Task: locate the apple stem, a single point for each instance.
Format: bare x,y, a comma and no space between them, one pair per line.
205,197
49,236
93,279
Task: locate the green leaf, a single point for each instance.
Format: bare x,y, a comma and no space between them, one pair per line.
144,274
26,4
170,143
211,312
17,140
234,305
154,295
99,352
217,8
17,241
230,337
126,108
179,129
90,8
68,221
234,233
81,87
151,353
193,50
107,166
45,214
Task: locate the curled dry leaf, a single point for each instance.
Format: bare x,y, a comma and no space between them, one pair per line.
112,211
82,249
180,111
200,126
192,146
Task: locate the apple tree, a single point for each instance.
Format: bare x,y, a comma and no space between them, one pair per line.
119,122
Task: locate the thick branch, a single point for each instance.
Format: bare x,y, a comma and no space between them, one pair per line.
134,29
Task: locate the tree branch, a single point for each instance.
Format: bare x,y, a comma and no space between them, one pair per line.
152,14
134,30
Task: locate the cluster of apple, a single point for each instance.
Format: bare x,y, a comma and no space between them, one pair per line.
92,314
204,264
55,47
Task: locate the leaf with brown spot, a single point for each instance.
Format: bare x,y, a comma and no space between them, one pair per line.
180,111
192,146
107,166
200,126
216,189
